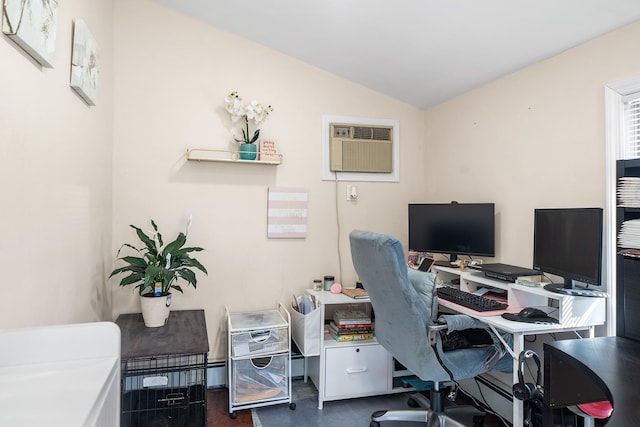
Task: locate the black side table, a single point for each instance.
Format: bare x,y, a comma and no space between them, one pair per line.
164,370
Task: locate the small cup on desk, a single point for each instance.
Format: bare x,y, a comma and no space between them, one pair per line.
328,281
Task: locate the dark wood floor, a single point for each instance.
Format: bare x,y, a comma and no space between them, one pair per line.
218,412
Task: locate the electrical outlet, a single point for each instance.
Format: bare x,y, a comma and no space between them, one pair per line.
352,193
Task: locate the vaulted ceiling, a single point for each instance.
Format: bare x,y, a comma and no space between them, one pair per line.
422,52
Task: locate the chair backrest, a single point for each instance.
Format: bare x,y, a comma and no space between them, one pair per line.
401,314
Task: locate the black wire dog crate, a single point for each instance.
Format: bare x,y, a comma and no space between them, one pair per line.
164,371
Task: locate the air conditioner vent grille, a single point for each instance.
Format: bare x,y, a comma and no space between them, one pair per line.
375,133
367,156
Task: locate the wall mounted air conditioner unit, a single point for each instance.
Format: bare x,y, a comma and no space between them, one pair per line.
361,148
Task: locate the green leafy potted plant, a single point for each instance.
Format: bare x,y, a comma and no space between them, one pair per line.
254,111
155,271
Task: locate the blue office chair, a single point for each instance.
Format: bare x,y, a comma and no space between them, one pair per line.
405,309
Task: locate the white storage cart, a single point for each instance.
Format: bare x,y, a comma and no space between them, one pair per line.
259,359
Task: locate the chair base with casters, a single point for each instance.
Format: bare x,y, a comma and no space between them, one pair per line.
434,413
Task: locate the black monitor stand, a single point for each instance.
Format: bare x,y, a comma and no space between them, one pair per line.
560,288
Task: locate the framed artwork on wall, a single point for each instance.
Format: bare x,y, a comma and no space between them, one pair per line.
84,63
287,213
32,25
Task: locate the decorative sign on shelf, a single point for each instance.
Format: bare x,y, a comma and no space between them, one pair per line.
287,213
269,151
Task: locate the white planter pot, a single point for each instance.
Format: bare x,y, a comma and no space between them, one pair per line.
155,310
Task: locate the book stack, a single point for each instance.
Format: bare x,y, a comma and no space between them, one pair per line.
351,325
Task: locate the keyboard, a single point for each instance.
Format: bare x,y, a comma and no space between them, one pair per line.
469,300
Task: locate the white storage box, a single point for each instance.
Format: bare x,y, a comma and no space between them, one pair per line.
306,331
260,378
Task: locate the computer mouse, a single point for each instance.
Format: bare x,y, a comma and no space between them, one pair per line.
532,313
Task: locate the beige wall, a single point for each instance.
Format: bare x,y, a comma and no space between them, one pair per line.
55,174
532,139
172,75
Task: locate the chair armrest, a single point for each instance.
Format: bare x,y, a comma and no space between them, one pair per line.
432,332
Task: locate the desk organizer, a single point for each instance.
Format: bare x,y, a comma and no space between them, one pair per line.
305,331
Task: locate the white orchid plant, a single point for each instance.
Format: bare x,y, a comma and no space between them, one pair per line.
253,111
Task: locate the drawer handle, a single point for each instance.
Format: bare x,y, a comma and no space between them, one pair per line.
172,398
356,370
260,336
261,362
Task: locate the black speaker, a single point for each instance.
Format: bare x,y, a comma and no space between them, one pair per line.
521,389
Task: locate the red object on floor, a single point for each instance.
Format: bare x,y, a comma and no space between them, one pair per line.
598,410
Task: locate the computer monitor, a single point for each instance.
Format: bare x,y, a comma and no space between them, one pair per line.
568,243
452,228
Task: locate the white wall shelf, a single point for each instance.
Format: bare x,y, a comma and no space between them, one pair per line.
208,155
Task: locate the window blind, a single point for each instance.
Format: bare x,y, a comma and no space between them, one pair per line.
632,126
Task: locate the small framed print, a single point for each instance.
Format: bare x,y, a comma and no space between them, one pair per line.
269,151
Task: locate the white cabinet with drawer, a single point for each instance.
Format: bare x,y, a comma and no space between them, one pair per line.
344,370
356,370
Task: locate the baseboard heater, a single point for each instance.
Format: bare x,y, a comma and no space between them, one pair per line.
495,388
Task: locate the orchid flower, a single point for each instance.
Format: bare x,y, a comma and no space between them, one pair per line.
253,111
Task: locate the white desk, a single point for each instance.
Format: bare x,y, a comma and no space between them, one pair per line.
576,314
